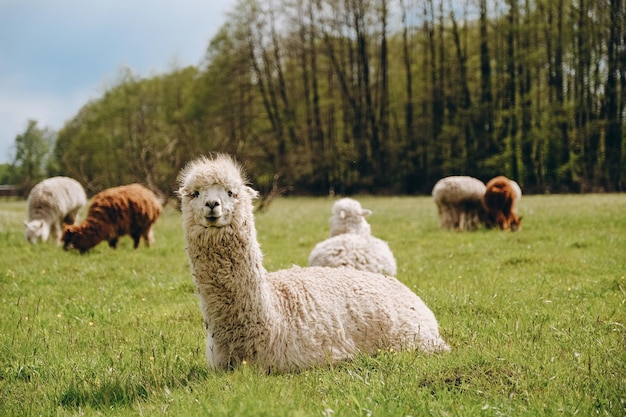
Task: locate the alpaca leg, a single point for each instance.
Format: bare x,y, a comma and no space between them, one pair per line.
501,221
113,242
455,219
56,230
442,217
473,219
136,238
448,218
462,220
148,237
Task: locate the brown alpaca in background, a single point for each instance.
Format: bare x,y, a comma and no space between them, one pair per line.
500,203
113,213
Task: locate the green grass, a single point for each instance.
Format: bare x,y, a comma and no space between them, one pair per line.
535,320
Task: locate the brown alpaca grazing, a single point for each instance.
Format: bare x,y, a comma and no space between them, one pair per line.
500,202
115,212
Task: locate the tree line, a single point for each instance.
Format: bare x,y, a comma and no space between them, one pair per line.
377,96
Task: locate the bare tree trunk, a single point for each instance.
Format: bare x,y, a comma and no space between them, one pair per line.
263,82
315,131
525,175
485,123
411,148
556,82
383,174
613,135
369,129
509,128
464,101
586,138
436,80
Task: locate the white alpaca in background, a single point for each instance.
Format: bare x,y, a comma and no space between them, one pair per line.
53,203
291,319
348,216
351,243
459,202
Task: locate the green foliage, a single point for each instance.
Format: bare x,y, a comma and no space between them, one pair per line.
535,320
32,157
318,103
135,133
5,173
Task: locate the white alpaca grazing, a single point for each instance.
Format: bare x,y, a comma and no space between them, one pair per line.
52,203
351,243
291,319
459,202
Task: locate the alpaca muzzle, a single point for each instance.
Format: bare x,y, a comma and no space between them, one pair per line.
212,211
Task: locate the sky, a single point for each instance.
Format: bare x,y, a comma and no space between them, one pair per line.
56,55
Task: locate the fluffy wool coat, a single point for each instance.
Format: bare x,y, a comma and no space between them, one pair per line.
291,319
51,204
115,212
362,252
351,243
348,216
500,202
459,202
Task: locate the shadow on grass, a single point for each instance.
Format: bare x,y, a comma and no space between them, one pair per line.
123,391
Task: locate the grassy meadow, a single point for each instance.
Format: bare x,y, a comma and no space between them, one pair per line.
536,320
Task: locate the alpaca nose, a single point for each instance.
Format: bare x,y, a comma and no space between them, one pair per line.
212,204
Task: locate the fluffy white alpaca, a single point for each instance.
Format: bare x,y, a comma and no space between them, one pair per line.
459,202
51,204
349,217
294,318
351,243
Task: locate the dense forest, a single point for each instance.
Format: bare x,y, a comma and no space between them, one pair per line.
376,96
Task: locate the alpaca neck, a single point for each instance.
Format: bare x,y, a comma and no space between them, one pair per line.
95,228
227,266
91,232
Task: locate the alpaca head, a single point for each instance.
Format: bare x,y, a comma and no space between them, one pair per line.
349,217
214,193
81,238
516,223
36,230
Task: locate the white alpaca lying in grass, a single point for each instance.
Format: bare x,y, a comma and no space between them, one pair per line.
291,319
351,243
348,216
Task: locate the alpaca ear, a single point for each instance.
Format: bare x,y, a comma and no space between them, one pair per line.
184,192
254,194
366,212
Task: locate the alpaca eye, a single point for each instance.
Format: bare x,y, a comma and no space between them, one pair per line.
195,194
230,193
